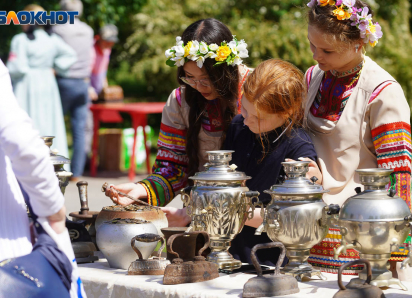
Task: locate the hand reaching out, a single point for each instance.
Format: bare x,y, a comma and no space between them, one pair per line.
176,217
313,169
134,190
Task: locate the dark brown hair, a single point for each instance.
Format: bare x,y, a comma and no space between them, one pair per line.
225,80
277,87
341,31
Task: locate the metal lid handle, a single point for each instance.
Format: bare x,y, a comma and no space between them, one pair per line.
148,237
268,245
173,237
356,262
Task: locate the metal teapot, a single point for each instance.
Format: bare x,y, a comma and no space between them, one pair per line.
219,204
358,288
269,285
192,271
154,266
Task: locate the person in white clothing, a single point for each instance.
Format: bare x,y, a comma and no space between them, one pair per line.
25,159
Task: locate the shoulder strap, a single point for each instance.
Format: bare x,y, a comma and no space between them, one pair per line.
309,75
316,75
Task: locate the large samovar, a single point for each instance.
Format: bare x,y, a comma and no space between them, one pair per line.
58,162
375,222
219,203
297,217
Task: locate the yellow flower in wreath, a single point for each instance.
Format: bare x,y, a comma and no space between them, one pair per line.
341,14
326,2
187,49
222,53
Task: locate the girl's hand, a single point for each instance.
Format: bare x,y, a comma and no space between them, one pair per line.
134,190
313,169
176,217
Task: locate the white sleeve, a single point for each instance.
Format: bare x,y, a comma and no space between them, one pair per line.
28,154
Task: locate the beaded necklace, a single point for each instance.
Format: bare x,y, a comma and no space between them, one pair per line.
358,68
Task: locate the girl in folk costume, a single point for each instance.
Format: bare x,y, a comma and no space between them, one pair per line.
356,113
267,131
197,114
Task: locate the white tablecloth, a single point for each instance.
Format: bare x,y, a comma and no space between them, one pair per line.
101,281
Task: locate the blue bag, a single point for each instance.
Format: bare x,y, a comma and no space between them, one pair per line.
45,272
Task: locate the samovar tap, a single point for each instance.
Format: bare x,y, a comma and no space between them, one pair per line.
344,245
270,217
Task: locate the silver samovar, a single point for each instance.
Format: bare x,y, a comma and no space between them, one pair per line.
374,222
58,162
297,217
219,203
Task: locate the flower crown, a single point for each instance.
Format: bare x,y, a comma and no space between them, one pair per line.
345,9
231,52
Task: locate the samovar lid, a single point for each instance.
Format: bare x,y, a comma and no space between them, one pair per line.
375,203
59,159
218,168
296,183
55,159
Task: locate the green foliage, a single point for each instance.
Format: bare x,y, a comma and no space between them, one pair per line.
271,28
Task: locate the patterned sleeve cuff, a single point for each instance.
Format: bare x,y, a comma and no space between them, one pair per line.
402,184
158,189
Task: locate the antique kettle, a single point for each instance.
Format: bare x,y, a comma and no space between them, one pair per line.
192,271
359,288
269,285
297,217
219,204
58,162
375,222
154,266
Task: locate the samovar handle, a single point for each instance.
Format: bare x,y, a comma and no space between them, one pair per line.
148,237
185,196
356,262
251,195
328,213
173,237
262,227
408,259
262,209
407,222
264,246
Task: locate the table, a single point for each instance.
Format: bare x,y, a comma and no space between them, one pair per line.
102,281
109,112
